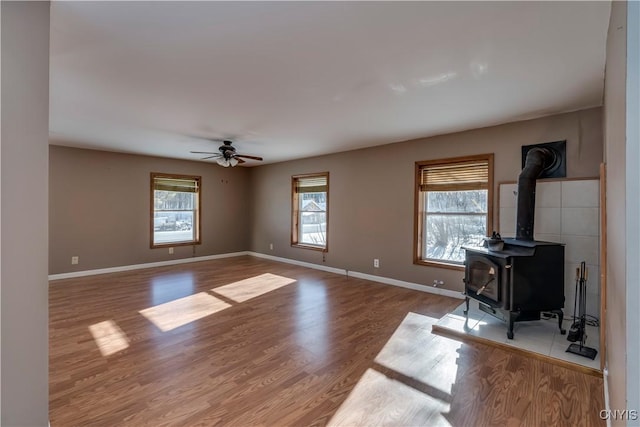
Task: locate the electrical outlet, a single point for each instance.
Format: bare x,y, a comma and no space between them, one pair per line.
271,246
75,260
376,263
170,251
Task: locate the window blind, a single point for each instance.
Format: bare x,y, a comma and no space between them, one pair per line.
175,184
312,184
471,175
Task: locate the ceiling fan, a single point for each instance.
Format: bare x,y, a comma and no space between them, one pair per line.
227,155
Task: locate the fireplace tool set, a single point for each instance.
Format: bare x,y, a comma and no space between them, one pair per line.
578,332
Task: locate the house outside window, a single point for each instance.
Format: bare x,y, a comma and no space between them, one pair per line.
310,201
175,210
454,199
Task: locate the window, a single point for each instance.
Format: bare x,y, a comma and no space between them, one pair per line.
175,210
453,207
310,205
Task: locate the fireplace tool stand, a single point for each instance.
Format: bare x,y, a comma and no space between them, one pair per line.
578,328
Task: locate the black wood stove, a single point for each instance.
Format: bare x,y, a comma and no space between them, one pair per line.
517,283
525,277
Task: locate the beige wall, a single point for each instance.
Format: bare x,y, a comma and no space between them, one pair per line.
372,192
615,142
25,128
100,209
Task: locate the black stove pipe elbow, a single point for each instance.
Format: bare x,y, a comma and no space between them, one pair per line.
536,161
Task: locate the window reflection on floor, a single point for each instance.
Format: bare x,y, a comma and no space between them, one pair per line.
168,287
108,337
312,316
176,313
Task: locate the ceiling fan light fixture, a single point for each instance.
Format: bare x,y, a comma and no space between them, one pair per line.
227,156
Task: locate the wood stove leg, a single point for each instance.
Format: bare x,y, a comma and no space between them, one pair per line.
512,320
466,301
560,315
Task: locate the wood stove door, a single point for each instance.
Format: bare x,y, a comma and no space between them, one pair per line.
483,280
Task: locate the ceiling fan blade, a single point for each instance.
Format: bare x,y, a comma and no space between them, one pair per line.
202,152
249,157
211,157
240,161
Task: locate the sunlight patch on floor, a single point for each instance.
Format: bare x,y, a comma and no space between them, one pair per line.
379,400
252,287
411,352
420,368
109,338
173,314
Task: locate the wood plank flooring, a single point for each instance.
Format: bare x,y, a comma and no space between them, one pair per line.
245,341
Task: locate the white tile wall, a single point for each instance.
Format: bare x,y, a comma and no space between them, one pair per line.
547,237
567,212
548,195
581,221
548,220
593,304
507,221
581,194
581,248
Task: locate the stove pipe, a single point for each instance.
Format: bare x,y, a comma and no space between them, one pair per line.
536,161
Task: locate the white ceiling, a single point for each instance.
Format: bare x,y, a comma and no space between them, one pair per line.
288,80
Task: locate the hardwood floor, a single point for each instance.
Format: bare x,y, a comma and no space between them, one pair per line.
244,341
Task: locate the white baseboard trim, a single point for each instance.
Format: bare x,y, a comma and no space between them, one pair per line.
142,266
408,285
379,279
300,263
607,405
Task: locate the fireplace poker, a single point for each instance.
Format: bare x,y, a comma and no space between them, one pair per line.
574,331
581,349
